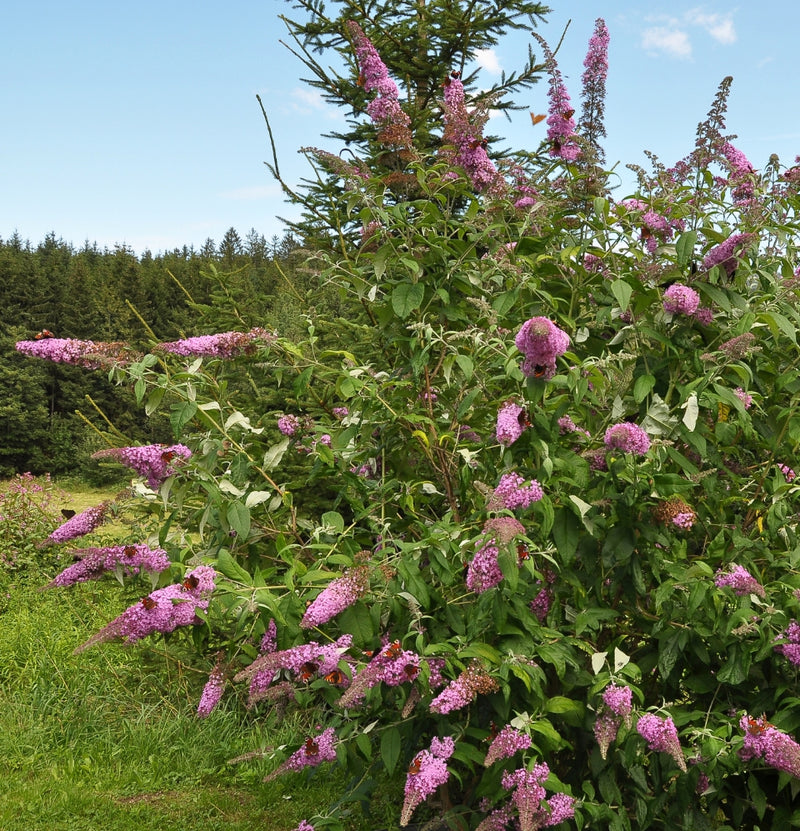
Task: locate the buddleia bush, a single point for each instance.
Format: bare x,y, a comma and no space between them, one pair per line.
553,578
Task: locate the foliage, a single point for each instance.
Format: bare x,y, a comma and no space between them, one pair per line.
547,463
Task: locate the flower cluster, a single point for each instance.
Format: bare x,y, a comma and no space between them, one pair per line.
510,423
593,83
513,491
221,345
94,562
619,700
392,666
661,736
88,354
314,751
81,524
155,462
465,138
505,744
534,811
740,580
790,648
212,691
675,511
776,748
560,120
337,596
305,662
163,610
627,437
617,708
742,180
427,772
680,299
384,109
473,681
788,473
744,397
541,342
726,254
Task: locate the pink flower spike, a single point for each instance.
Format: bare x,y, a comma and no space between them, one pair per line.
427,772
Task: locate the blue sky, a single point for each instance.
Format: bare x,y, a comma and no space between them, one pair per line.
138,124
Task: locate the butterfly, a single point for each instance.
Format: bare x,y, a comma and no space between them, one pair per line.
45,333
129,551
537,118
415,766
168,455
336,677
523,418
476,143
67,513
522,552
394,650
312,748
308,670
539,371
493,731
756,726
567,114
411,671
191,582
149,603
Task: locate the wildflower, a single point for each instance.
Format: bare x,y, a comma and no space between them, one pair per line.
337,596
427,772
85,353
514,492
680,299
788,473
661,736
741,173
593,264
474,680
540,605
314,751
776,748
606,727
541,342
81,524
304,826
505,744
212,691
725,255
534,811
560,121
593,83
566,425
740,580
155,462
95,562
163,610
627,437
464,135
675,511
704,315
341,412
510,423
739,347
221,345
745,398
791,648
618,700
484,572
384,109
289,424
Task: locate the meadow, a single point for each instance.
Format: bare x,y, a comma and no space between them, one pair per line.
110,738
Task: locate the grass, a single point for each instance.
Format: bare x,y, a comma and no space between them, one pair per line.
109,738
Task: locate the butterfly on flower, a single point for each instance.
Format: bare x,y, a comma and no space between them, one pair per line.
312,748
308,670
523,418
567,114
45,333
411,671
67,513
191,582
476,143
149,603
415,767
522,552
394,650
129,551
336,677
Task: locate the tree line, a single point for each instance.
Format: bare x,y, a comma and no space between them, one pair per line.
89,293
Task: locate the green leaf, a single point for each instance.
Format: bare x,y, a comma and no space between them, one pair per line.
622,293
406,297
390,749
227,566
466,364
154,400
333,519
642,387
684,247
181,415
566,534
356,621
239,519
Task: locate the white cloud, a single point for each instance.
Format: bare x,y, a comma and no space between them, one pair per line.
487,59
674,42
720,28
